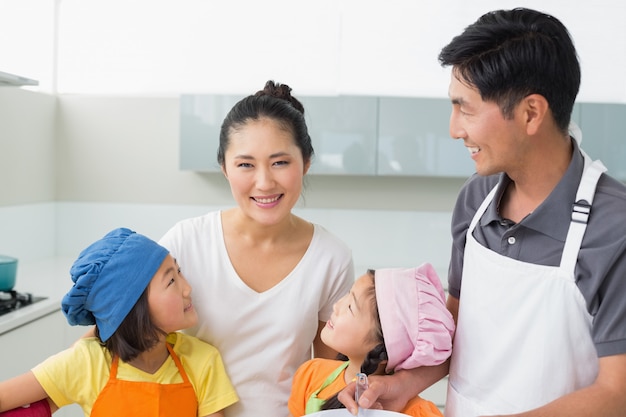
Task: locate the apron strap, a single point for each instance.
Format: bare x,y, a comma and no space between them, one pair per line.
481,209
581,209
314,404
179,365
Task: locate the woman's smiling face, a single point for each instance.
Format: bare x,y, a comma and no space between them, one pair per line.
265,168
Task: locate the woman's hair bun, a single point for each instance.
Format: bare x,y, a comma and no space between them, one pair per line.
281,91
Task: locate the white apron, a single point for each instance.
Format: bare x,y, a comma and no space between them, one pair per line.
523,334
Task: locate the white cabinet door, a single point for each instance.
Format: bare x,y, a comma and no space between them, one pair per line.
26,346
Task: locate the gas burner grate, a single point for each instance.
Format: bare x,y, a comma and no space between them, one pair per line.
13,300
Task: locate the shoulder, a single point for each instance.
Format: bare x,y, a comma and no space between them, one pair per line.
89,348
476,188
608,211
187,345
193,223
85,354
611,191
470,197
329,240
330,257
314,368
190,229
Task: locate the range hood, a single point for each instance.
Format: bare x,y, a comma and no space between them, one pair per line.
11,80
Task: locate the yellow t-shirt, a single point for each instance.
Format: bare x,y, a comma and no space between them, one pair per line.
78,374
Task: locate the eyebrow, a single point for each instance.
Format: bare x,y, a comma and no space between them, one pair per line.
458,100
167,272
274,155
356,302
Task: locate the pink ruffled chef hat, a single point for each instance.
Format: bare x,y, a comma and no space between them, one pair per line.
417,326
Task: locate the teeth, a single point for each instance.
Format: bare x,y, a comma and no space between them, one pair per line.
473,150
266,200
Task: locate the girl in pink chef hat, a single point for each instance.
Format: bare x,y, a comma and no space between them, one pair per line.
392,319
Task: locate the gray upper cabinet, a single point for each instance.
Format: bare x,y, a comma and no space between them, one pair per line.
413,139
385,136
201,116
603,126
343,130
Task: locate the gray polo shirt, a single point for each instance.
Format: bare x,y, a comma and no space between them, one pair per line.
539,238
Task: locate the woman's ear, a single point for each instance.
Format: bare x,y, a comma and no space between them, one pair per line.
224,171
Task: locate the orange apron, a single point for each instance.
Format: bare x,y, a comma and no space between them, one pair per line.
122,398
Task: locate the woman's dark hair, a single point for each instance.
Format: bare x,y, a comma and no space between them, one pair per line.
136,334
375,356
509,54
273,102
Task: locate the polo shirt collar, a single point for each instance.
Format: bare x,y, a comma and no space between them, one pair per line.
549,218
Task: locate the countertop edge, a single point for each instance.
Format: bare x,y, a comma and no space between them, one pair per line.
30,313
43,278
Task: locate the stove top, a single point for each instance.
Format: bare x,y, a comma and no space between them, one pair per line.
13,300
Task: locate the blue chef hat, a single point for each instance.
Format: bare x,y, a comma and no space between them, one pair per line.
109,277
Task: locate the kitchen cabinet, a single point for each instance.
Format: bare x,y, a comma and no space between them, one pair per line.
343,130
386,136
604,126
414,139
27,345
201,117
351,135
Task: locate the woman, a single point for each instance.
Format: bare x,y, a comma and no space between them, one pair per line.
265,279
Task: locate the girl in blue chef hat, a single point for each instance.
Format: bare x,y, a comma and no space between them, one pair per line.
138,364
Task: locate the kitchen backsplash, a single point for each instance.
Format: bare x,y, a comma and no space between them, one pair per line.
378,238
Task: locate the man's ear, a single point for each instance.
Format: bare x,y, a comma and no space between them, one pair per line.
536,111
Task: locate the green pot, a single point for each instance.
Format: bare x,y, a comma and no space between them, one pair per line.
8,272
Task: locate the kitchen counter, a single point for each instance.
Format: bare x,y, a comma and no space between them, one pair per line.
44,278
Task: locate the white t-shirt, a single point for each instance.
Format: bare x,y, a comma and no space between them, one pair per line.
262,337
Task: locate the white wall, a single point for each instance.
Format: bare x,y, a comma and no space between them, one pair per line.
113,161
322,47
378,238
114,158
126,149
317,46
27,146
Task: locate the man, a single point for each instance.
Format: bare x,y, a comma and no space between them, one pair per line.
538,268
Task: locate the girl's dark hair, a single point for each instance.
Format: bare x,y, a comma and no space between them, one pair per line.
375,356
136,334
509,54
274,102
